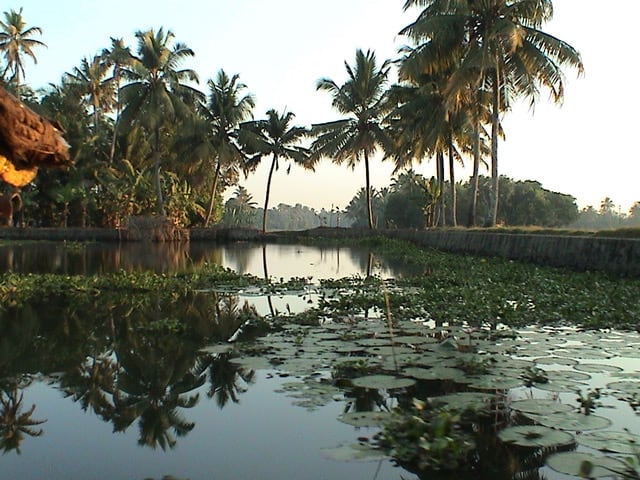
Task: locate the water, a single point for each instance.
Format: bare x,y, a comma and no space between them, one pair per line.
246,258
170,393
136,388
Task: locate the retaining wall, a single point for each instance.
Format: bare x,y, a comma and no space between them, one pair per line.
620,256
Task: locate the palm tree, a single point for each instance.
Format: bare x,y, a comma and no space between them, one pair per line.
359,135
213,137
117,56
503,51
156,93
92,83
240,209
276,137
16,41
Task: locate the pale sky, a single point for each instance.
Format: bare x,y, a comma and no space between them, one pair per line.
281,48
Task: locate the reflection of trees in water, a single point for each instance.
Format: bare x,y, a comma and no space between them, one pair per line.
129,358
242,256
82,258
266,277
15,422
154,380
91,384
227,380
366,400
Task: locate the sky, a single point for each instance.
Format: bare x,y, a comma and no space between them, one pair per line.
280,48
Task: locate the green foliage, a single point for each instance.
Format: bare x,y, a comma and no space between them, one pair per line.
427,438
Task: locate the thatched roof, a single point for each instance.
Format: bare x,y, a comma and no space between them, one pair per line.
27,141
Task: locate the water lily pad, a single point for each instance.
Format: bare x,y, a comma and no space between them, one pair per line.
415,340
569,362
353,451
560,386
495,382
365,419
625,386
570,375
253,363
536,436
597,368
387,382
610,441
385,350
592,353
586,465
435,373
574,421
464,400
373,342
540,406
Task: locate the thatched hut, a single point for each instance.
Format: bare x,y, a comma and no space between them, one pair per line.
27,141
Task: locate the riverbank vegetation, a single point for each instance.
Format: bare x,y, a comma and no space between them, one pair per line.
144,147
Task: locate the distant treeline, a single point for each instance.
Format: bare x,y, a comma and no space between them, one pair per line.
410,201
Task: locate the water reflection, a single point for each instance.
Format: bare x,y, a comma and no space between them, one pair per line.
284,261
128,360
16,421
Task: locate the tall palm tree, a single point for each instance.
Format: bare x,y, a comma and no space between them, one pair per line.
157,94
213,137
92,83
15,41
361,99
276,137
118,56
504,50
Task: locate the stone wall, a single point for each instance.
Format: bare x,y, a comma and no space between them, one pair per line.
620,256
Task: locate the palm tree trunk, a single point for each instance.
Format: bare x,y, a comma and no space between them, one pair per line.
441,209
473,204
368,193
452,180
495,123
212,198
266,198
156,173
112,150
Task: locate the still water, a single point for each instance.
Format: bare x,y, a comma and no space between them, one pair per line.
175,413
143,385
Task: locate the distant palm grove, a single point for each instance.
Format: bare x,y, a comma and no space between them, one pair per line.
147,140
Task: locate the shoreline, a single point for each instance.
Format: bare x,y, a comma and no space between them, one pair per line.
618,256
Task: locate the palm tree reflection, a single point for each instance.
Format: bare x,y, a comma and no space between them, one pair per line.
227,380
157,373
15,423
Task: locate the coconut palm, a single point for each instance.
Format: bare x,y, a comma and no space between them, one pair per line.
117,57
502,51
212,137
157,94
276,137
92,83
15,42
358,136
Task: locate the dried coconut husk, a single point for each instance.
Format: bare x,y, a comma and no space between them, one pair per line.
28,140
154,229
